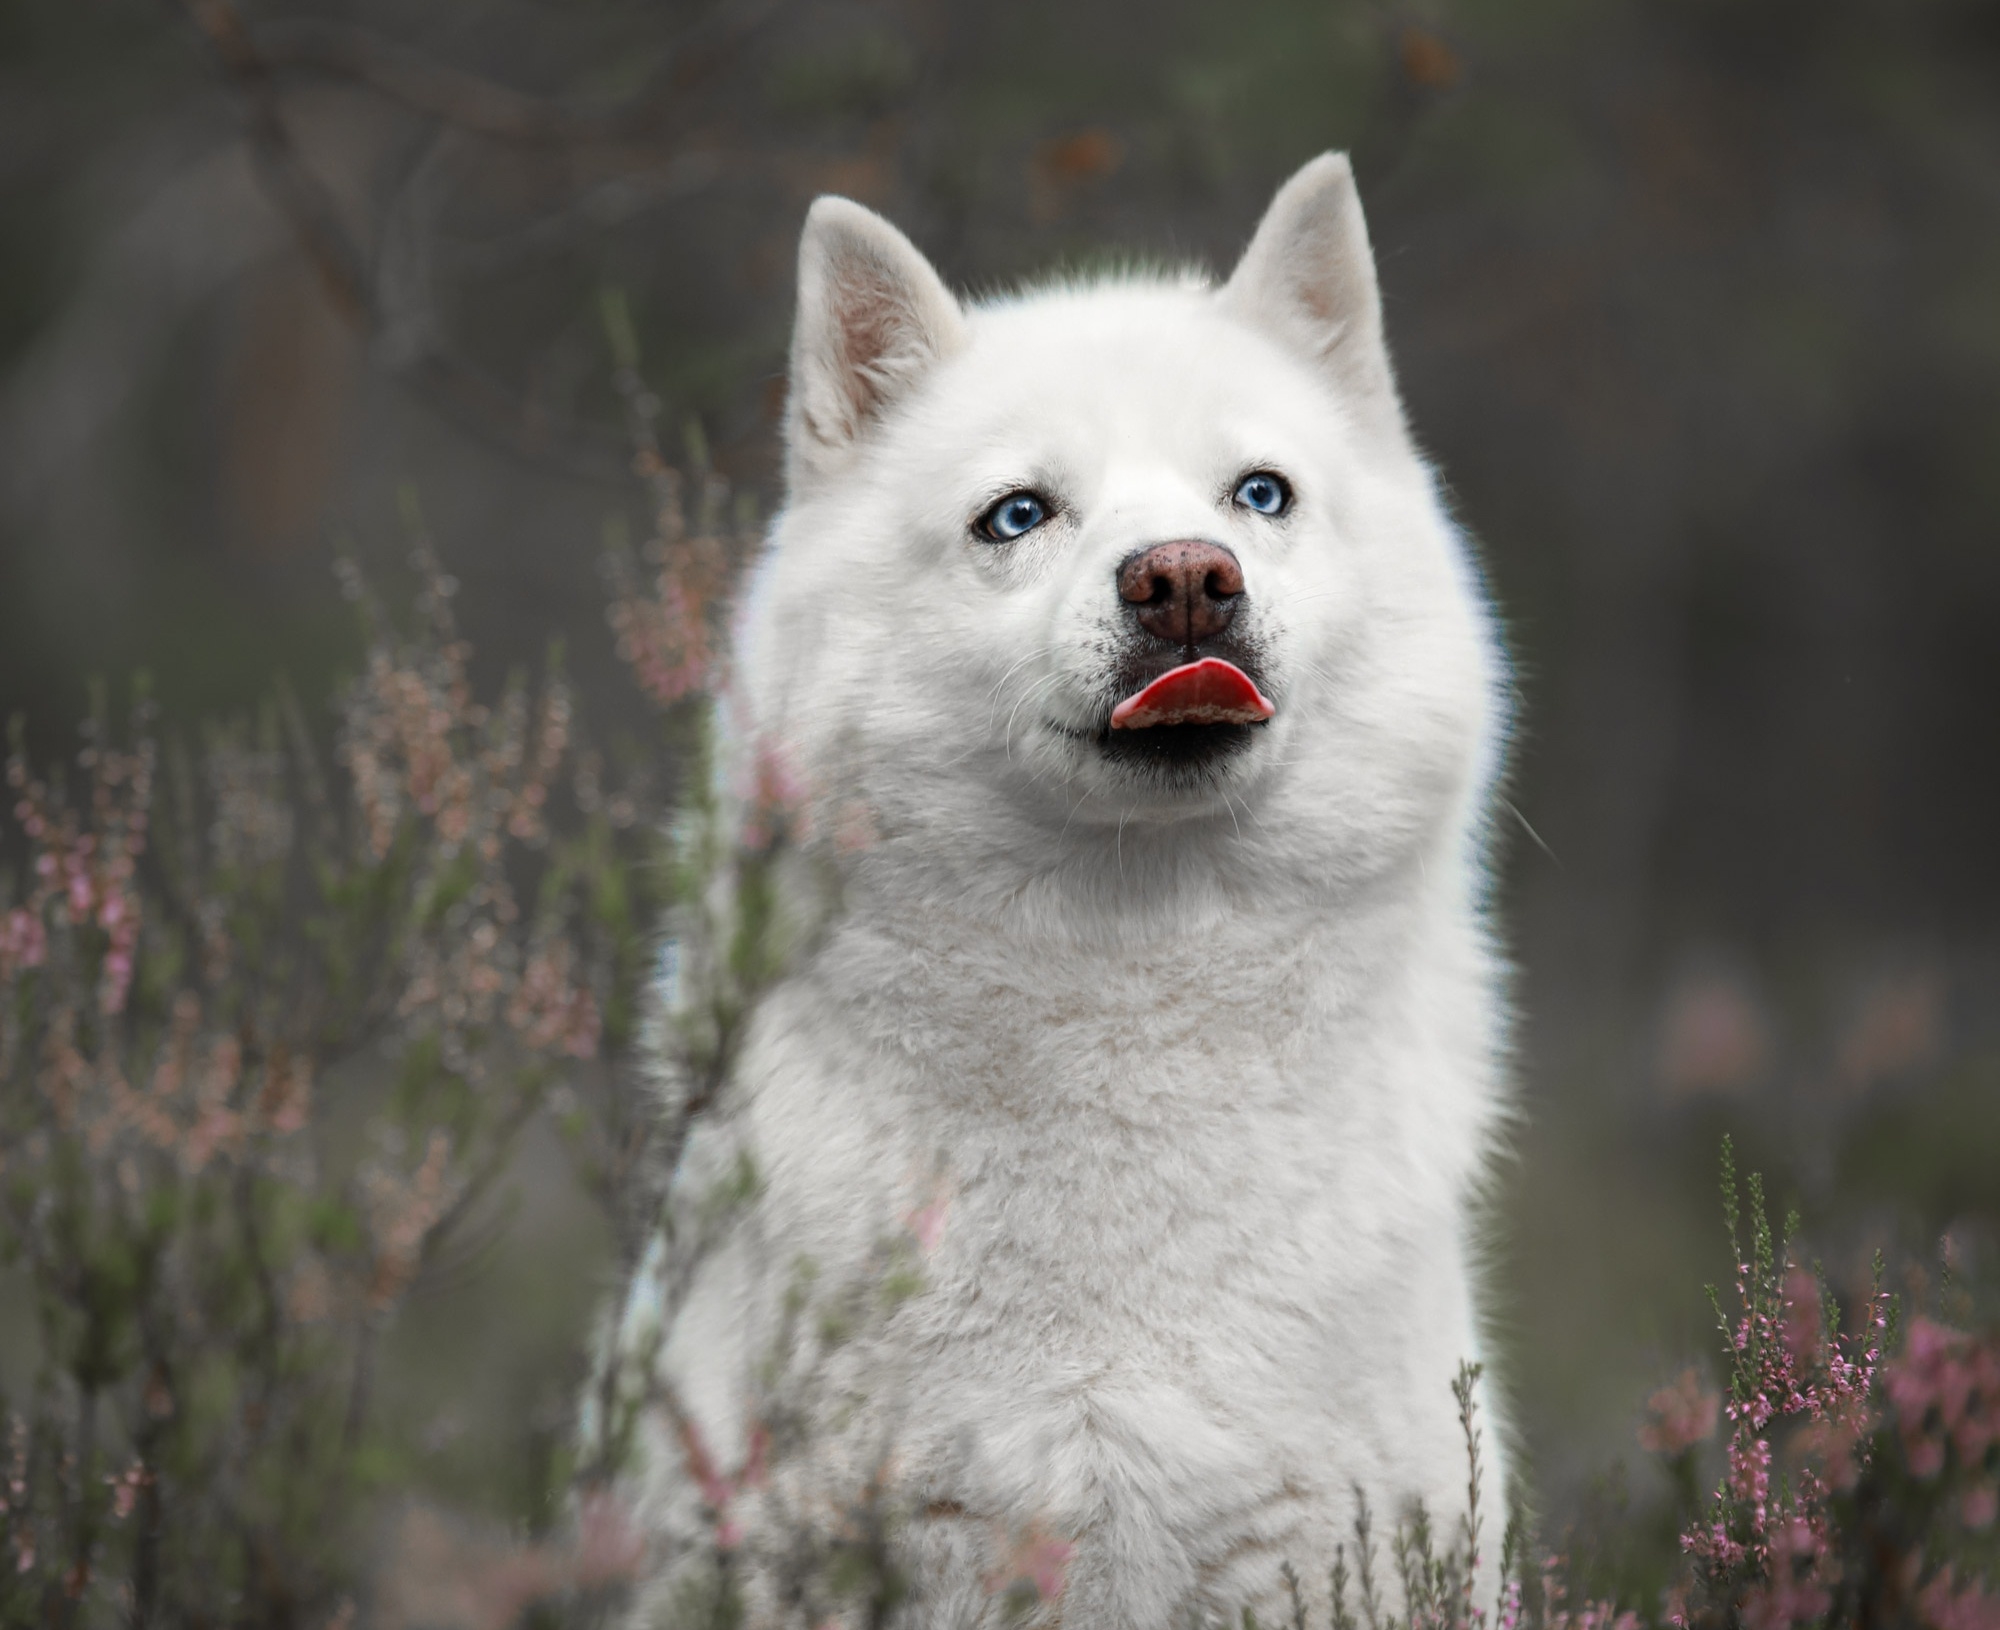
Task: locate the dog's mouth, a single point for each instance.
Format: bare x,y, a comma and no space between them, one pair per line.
1207,692
1184,721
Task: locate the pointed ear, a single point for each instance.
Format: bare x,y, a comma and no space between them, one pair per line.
1308,280
873,316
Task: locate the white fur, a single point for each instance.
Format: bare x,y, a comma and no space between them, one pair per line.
1205,1075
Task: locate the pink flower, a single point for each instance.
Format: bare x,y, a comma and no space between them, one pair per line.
1944,1390
125,1488
608,1547
927,1223
1802,1327
24,942
1796,1593
719,1491
1681,1416
776,798
1969,1609
1037,1560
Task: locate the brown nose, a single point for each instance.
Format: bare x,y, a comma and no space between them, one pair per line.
1183,592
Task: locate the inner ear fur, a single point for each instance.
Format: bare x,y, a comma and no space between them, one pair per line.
873,315
1308,280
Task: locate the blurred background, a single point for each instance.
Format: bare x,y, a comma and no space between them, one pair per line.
1696,302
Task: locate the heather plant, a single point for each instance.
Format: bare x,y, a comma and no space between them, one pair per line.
1861,1466
274,1021
271,1028
1860,1483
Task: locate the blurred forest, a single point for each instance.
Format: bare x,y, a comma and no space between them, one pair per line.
1697,303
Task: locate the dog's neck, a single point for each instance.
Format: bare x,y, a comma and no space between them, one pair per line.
1068,989
1175,903
1137,886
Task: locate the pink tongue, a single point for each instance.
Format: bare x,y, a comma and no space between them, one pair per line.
1210,691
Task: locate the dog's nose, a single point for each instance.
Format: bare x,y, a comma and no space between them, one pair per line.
1184,592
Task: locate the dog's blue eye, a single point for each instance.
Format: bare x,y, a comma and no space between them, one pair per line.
1264,492
1015,514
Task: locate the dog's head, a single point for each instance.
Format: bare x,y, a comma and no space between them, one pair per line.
1132,552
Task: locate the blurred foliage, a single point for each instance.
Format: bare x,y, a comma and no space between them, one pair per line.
1695,300
268,1046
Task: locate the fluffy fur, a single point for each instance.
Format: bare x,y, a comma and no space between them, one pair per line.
1199,1058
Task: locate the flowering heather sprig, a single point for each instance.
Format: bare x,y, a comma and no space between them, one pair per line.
1850,1473
1943,1604
211,1267
1945,1390
670,629
1768,1547
1680,1416
1557,1614
84,860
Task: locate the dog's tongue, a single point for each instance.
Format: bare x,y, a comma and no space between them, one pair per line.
1210,691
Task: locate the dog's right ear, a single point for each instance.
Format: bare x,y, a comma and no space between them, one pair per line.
1308,280
873,315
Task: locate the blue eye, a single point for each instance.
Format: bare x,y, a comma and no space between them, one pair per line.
1265,492
1017,513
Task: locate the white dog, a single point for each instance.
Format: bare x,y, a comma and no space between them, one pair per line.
1149,709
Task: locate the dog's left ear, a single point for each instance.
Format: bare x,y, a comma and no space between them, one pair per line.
873,316
1308,279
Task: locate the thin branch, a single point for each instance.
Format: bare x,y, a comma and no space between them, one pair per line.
463,393
300,195
471,102
301,45
497,1159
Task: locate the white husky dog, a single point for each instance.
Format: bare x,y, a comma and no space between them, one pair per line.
1123,623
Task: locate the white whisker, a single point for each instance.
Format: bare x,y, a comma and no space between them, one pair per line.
1046,682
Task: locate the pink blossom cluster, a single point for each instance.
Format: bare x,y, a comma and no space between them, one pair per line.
194,1103
1943,1604
1680,1416
664,636
24,942
477,779
16,1519
415,741
1033,1560
125,1487
667,630
550,1009
721,1490
1788,1367
1773,1555
175,980
402,1212
1945,1388
774,801
446,1572
1559,1615
399,746
1801,1569
83,874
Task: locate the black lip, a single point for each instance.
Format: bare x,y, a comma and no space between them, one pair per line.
1170,751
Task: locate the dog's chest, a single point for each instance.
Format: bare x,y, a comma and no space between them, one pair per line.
1126,1178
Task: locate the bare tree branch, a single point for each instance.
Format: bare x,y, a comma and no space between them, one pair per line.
298,192
295,45
465,394
477,104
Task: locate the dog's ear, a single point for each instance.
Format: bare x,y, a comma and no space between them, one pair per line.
1308,279
872,316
